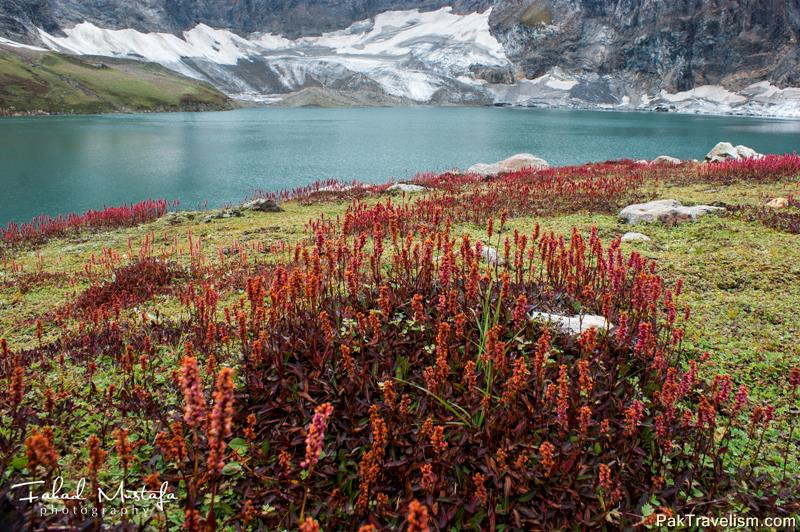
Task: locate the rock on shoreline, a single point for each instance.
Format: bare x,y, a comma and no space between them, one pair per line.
521,161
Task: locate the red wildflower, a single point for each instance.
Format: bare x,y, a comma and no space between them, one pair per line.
418,308
194,404
437,439
480,490
520,310
605,477
546,449
633,415
585,381
517,381
584,419
123,446
740,400
562,404
316,434
191,520
40,449
541,353
417,517
428,480
221,421
309,525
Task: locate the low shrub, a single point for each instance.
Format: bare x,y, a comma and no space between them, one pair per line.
129,285
44,227
785,219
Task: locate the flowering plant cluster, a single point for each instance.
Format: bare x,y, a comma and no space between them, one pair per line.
391,370
43,227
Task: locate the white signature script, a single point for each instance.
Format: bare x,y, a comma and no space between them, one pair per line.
121,494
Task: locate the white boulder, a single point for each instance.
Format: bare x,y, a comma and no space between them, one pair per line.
406,187
490,255
667,160
573,324
521,161
725,151
635,237
484,169
664,211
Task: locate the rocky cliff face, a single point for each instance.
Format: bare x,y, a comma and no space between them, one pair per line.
680,44
290,18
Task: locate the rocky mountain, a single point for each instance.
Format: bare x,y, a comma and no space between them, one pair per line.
721,56
684,43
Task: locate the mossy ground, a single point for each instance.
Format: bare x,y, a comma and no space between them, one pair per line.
742,279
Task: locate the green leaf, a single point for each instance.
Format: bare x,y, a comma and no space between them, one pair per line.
19,463
231,468
239,445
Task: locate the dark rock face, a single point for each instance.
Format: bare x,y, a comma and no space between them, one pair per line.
19,17
681,43
288,17
494,74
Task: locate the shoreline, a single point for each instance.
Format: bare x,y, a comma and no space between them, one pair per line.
244,105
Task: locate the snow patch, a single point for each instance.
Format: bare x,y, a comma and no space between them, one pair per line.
711,93
14,44
409,54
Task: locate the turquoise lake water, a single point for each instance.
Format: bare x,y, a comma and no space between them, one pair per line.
54,165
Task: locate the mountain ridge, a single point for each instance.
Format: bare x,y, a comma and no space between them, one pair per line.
721,56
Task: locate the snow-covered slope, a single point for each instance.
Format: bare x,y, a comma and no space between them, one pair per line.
418,56
557,89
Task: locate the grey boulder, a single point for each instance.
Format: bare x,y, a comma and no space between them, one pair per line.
725,151
490,255
406,187
521,161
670,211
572,324
667,160
262,205
635,237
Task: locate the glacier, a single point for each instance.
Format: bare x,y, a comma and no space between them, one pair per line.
399,58
410,55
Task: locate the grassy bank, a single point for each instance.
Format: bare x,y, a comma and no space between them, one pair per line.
34,82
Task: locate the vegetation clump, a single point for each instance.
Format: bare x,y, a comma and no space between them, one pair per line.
380,372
